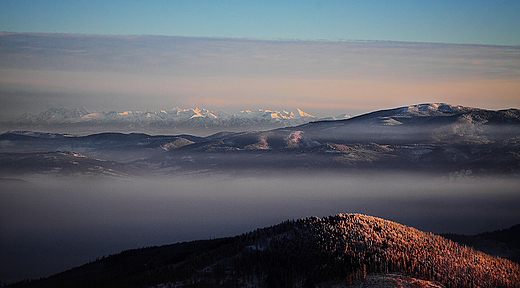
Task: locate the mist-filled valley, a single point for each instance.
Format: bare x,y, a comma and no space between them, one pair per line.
50,224
67,199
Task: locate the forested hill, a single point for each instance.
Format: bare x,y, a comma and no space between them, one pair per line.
339,249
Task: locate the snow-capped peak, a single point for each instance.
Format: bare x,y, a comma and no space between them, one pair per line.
303,114
431,109
176,117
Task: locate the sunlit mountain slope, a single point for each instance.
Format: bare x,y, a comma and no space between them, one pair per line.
197,121
335,250
423,123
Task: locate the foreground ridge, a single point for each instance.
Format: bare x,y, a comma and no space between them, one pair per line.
337,251
383,246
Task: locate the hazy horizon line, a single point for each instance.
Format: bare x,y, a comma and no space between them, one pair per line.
253,39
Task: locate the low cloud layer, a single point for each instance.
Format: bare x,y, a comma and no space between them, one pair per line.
50,224
326,78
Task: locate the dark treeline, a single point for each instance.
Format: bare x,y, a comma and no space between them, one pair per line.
504,243
302,253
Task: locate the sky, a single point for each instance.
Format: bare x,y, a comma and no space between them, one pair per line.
446,21
325,57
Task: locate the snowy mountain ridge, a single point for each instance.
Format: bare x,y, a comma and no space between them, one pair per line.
204,122
56,115
199,121
433,109
176,115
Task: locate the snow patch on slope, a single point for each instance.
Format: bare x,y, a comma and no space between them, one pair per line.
432,109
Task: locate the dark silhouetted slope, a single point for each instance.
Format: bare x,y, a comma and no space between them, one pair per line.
63,163
337,250
504,243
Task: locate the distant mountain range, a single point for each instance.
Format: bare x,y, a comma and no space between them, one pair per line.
434,138
333,251
177,120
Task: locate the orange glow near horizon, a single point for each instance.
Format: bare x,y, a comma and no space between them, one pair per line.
362,94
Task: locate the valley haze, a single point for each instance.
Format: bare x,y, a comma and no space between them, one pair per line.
69,199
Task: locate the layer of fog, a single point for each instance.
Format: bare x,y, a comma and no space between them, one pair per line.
48,225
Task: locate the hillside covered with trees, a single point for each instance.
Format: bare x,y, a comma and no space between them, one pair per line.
311,252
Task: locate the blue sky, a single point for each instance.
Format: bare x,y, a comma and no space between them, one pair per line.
476,22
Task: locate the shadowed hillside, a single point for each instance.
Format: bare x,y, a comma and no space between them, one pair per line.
334,250
504,243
